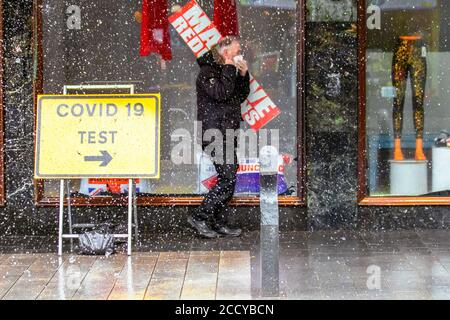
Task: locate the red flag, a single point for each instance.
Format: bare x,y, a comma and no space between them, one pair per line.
225,17
155,35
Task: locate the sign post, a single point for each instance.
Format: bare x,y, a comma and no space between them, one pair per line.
106,135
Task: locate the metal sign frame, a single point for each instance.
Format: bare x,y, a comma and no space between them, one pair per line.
132,198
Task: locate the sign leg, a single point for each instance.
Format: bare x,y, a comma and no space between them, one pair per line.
69,214
61,216
135,216
130,214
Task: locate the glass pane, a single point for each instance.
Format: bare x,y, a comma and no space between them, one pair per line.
407,77
105,50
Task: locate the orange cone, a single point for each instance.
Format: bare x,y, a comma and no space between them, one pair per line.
398,154
419,150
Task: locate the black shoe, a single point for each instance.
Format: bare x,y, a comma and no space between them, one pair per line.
227,232
202,228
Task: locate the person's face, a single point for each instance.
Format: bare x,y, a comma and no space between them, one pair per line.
233,50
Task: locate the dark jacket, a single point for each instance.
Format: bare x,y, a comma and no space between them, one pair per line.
220,91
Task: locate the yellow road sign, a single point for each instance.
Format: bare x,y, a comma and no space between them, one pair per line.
105,135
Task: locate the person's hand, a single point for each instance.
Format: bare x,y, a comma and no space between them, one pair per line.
242,67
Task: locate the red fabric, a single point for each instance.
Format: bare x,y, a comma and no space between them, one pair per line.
210,182
155,35
113,187
225,17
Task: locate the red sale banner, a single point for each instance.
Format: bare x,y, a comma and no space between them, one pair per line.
200,34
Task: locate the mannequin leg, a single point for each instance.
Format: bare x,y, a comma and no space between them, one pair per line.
418,81
398,154
399,76
420,155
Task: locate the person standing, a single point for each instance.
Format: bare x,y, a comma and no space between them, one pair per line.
223,83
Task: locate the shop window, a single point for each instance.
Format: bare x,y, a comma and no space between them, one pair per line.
100,53
404,102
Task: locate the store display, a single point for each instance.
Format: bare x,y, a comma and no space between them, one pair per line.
442,140
155,37
95,187
409,59
408,177
200,35
226,18
441,168
247,177
109,54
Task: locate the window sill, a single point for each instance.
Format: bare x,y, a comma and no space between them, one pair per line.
404,201
163,201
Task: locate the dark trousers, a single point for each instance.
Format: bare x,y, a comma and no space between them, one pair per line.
215,201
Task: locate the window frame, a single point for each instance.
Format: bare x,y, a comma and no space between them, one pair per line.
2,141
180,200
363,197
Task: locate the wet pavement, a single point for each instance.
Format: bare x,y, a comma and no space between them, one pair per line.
313,265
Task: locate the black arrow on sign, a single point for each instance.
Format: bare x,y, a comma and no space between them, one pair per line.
105,158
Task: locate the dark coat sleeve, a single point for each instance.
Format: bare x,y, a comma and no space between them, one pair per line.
243,86
221,87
